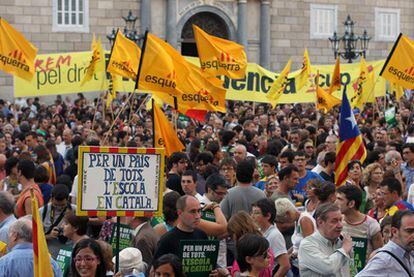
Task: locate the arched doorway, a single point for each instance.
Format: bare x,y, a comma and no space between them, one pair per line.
209,22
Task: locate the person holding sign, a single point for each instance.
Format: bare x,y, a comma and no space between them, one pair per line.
189,214
363,229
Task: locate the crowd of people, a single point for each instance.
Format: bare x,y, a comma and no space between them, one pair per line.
258,180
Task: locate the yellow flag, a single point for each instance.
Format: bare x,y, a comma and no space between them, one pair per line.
397,90
303,77
41,258
324,100
124,58
97,63
359,94
336,77
114,86
165,135
163,69
399,66
220,56
279,85
17,54
211,95
369,87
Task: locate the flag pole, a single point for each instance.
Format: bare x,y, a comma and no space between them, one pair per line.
136,83
153,122
118,235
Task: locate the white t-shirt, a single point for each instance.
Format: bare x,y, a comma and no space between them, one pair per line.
297,236
276,241
410,197
367,229
74,192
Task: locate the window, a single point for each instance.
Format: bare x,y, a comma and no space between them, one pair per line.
387,24
71,16
323,19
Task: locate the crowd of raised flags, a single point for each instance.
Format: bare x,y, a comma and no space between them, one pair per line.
163,71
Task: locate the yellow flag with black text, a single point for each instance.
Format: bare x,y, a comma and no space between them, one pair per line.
357,100
399,66
279,85
164,134
336,77
220,56
163,68
114,86
211,96
17,54
124,59
97,63
303,78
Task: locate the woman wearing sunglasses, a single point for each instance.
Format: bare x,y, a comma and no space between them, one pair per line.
87,259
252,254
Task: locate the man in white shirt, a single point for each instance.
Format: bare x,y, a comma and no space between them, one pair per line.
66,143
396,257
325,252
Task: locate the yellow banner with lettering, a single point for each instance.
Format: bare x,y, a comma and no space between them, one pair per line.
62,74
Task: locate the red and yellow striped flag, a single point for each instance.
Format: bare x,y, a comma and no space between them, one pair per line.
41,257
351,145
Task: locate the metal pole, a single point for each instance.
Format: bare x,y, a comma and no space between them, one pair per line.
118,235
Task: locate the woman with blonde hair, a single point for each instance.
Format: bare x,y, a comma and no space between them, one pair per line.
240,224
371,178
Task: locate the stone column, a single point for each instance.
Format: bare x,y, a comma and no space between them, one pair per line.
265,34
145,15
242,23
172,22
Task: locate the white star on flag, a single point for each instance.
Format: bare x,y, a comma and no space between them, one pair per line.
351,119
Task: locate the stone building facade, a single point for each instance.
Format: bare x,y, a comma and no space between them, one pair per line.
271,30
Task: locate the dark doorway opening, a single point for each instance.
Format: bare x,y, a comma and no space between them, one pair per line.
210,23
189,49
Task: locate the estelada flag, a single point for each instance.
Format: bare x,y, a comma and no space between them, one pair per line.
351,145
336,77
220,56
304,75
124,59
399,66
163,68
97,63
17,54
279,85
164,135
324,100
41,258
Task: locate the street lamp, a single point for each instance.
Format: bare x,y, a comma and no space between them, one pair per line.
111,37
129,30
349,41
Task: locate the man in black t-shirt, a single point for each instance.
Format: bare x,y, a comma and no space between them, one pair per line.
327,172
178,163
189,213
